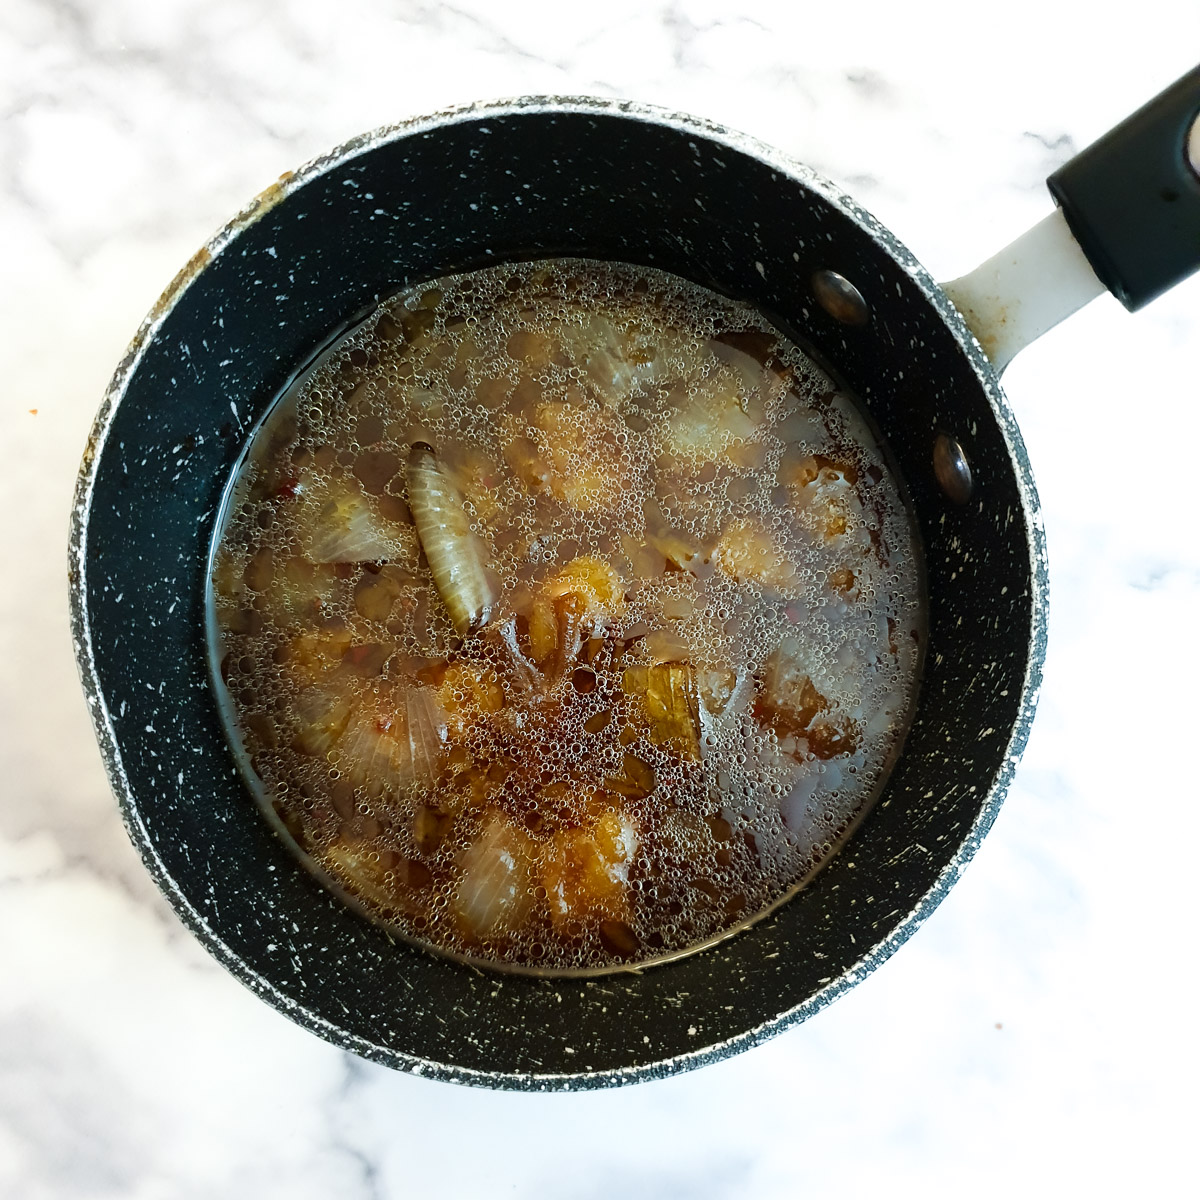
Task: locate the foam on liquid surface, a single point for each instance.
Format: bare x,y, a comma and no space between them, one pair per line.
703,646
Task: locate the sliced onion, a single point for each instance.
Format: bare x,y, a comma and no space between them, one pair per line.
426,733
455,556
669,703
321,716
342,525
619,359
713,415
357,866
390,747
378,875
494,891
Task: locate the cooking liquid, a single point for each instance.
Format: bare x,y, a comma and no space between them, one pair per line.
685,654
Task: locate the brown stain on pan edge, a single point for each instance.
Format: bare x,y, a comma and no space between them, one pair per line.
158,310
266,199
259,206
183,277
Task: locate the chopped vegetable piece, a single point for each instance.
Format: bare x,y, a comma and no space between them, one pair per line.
302,591
477,479
376,593
430,827
647,561
356,865
824,495
681,551
579,447
321,716
791,704
594,582
669,704
316,654
619,360
394,743
598,721
526,462
468,691
536,348
452,549
345,527
714,414
617,938
585,871
755,356
577,601
494,894
544,620
748,553
716,689
636,780
380,876
842,580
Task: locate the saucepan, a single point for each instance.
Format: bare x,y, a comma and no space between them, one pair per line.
537,178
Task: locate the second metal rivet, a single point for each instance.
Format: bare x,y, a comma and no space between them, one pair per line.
840,298
952,469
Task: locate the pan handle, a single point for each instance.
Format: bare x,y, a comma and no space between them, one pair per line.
1128,221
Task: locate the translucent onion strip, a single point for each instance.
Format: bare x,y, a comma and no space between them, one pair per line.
394,745
494,893
449,544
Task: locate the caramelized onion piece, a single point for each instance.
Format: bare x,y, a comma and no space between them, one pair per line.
585,871
670,705
448,542
578,600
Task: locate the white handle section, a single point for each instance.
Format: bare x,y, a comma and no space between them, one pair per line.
1027,288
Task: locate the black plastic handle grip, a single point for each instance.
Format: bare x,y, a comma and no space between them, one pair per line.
1132,199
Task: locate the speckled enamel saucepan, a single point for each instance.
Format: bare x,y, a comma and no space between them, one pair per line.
545,177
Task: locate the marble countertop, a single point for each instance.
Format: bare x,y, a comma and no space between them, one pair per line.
1037,1033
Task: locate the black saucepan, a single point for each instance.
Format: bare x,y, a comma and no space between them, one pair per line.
533,179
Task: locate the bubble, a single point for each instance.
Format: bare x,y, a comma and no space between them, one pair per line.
377,387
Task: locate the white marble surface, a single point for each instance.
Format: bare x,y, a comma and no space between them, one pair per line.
1037,1035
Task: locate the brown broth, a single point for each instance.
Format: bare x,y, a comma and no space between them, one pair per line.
567,616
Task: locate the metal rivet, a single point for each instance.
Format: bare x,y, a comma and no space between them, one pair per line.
840,298
952,469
